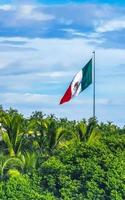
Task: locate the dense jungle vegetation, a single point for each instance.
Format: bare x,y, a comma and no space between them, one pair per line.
45,158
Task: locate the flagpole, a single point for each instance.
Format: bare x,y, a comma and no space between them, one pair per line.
93,84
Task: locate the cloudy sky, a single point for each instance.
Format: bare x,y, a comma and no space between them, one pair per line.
43,43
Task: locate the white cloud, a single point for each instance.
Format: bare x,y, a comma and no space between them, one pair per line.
111,25
32,98
25,11
16,39
26,98
6,7
74,32
54,74
58,56
29,12
88,101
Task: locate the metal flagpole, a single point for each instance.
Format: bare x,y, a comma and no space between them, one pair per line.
93,66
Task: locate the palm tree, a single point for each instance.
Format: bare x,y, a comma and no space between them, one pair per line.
37,130
7,163
88,133
29,160
12,132
46,134
54,136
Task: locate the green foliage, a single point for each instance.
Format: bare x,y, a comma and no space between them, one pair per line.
13,173
7,163
20,188
29,160
12,131
46,158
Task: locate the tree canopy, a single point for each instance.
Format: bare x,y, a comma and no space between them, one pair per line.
46,158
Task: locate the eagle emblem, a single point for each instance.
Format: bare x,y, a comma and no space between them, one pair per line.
76,86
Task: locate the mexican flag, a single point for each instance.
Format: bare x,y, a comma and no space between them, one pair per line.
79,83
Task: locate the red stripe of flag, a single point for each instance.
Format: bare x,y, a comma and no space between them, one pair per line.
67,96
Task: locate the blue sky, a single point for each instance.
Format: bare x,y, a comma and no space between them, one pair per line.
63,1
44,43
